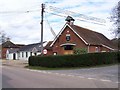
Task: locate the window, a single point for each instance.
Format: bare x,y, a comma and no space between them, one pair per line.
96,49
26,54
67,37
22,54
68,47
30,53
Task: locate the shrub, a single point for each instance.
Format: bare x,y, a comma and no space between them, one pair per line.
80,50
82,60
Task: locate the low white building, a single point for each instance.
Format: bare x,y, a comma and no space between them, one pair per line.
12,54
24,52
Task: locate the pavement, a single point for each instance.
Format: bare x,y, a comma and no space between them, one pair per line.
14,63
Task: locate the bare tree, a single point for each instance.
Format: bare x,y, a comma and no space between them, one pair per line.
3,37
115,18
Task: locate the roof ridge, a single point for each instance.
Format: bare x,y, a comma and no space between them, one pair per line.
8,44
35,43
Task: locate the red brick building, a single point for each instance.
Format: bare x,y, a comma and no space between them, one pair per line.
8,45
72,36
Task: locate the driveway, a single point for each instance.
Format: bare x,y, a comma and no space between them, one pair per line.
15,63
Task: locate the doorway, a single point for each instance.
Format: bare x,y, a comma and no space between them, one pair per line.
14,56
68,49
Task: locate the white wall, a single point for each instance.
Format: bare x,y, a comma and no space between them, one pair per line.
28,55
20,55
10,56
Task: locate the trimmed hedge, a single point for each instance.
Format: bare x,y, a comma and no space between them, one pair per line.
90,59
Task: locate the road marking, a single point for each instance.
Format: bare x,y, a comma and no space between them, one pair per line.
57,73
44,72
34,70
105,80
39,71
117,82
49,72
92,78
71,75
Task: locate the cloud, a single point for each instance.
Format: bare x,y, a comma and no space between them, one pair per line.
25,27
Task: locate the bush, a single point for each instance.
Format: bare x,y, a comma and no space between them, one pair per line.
82,60
80,50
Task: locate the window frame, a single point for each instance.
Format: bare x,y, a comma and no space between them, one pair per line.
68,38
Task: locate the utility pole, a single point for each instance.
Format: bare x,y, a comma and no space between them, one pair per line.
42,11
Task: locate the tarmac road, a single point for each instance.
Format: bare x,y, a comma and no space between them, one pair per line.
100,73
15,77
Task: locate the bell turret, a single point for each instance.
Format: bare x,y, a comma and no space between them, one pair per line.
70,20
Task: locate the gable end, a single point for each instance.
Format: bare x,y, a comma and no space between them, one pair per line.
63,30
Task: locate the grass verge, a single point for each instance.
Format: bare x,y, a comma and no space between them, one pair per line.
67,68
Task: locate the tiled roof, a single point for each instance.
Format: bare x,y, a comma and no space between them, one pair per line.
30,47
88,36
9,44
13,50
92,37
48,45
20,45
116,42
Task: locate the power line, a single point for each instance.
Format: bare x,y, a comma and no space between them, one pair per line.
12,12
75,18
56,14
51,29
65,13
59,10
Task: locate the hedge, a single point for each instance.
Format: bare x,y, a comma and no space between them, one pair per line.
90,59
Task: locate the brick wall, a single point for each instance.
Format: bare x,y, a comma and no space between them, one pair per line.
75,40
4,53
62,40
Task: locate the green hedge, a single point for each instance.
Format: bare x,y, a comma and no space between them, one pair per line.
90,59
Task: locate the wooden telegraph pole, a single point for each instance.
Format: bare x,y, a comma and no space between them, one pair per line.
42,11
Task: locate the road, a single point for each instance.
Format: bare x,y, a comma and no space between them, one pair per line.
100,73
15,77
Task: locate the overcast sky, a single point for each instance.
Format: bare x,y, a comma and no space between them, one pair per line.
23,27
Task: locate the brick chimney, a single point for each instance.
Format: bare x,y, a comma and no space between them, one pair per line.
69,20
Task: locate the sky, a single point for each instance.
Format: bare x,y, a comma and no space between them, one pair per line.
20,19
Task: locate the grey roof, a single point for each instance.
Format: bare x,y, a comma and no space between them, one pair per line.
36,47
30,47
13,50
